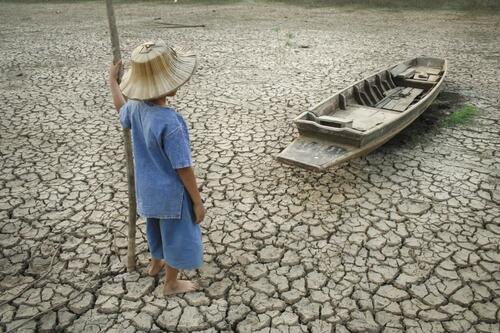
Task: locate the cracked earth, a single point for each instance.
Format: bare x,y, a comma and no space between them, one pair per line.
403,240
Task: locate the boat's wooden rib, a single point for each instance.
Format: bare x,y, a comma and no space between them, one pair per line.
365,115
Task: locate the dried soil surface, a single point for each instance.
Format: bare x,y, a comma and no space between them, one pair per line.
403,240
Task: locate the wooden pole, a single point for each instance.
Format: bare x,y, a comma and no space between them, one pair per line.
132,209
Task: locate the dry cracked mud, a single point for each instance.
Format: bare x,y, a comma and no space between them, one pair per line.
403,240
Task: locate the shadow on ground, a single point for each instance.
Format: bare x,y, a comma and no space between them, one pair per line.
430,121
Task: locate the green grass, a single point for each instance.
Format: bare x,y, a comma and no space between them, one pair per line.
489,6
459,117
289,39
164,2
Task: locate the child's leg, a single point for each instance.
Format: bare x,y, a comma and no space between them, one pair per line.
182,248
174,286
153,235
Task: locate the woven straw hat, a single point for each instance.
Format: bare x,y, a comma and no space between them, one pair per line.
157,70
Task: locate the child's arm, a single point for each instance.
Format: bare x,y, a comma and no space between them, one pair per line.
189,180
118,99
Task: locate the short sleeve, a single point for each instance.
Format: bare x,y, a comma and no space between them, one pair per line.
125,116
177,149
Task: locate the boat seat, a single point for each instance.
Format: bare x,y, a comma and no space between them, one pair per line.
370,93
410,72
360,117
422,73
424,76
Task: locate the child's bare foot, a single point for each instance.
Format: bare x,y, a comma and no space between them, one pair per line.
179,287
155,267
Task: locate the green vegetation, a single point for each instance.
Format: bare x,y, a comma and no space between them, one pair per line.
289,39
462,5
459,117
165,2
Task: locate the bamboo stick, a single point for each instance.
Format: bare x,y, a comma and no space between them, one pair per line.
132,209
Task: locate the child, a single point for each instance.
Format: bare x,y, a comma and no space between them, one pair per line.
167,194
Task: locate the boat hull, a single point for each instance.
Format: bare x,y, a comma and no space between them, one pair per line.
319,147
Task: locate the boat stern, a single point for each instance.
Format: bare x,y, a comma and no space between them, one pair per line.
314,153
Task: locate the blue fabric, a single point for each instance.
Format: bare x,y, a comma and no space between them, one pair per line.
161,145
178,242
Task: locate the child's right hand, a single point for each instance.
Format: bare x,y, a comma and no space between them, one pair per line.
199,212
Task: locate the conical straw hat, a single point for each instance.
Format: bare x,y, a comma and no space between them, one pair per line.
157,70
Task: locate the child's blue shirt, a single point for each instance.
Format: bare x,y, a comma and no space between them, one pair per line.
161,145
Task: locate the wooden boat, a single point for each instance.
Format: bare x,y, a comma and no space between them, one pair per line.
365,115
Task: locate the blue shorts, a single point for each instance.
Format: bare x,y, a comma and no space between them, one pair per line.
177,241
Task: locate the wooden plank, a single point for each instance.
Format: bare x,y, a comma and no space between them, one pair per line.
407,73
355,112
374,119
421,76
433,78
312,153
383,102
405,91
391,104
407,100
433,71
335,121
428,70
404,102
362,118
397,70
389,96
418,83
395,99
390,80
392,91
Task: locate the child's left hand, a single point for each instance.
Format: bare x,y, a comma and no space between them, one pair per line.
114,70
199,212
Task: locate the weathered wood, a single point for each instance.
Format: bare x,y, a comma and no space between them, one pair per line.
417,83
420,76
389,79
392,102
403,102
393,91
428,70
398,69
433,78
132,210
364,117
369,92
388,97
312,152
335,121
342,102
371,112
167,25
